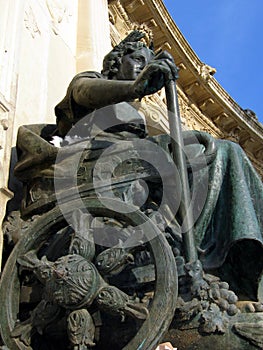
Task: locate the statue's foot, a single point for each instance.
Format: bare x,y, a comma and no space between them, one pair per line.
249,306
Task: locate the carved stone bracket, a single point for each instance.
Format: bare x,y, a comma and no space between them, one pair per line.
152,23
133,5
221,119
204,105
181,66
165,46
190,89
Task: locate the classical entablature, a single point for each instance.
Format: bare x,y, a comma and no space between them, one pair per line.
204,104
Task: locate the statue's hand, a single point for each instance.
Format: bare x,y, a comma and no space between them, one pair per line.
155,74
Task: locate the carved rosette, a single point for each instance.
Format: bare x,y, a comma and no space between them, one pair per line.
75,284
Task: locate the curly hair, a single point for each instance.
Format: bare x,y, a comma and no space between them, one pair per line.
112,60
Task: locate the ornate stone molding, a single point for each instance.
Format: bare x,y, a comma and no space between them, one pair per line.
31,22
59,12
155,115
194,117
4,122
3,127
123,14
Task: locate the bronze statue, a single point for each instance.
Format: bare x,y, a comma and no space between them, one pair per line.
130,71
99,159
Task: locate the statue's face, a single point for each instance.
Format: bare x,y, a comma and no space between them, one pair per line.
133,63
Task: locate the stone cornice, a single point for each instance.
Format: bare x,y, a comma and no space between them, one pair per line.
238,113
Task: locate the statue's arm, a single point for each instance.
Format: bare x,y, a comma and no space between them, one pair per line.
97,93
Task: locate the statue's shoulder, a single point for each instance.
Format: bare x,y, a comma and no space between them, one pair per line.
88,74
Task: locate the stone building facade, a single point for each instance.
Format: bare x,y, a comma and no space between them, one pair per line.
44,43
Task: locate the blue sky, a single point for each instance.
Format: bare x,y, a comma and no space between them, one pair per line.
227,35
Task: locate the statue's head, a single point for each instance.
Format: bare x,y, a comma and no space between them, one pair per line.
127,59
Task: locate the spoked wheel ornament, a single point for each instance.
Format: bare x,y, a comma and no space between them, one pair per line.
59,288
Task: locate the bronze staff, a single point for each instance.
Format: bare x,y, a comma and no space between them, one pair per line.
185,210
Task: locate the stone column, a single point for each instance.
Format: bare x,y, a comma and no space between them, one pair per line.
93,37
10,27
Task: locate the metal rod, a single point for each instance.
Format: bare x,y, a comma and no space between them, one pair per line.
177,145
